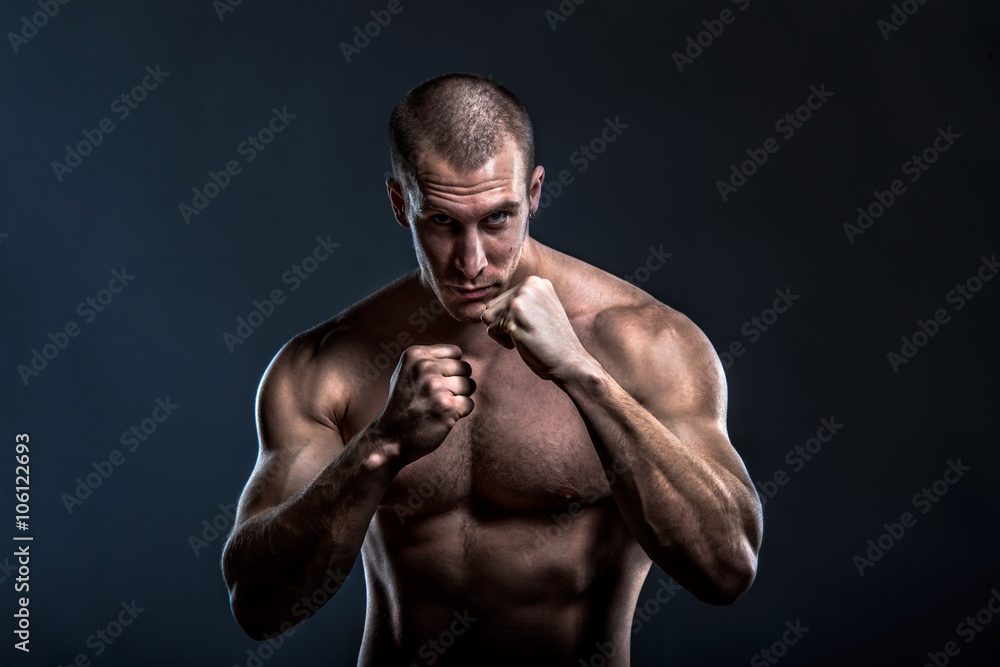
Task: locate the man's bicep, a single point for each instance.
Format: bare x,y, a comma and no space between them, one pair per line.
684,388
297,439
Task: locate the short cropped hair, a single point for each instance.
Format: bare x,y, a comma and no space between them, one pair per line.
463,118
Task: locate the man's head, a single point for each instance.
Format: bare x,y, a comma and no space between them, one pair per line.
465,183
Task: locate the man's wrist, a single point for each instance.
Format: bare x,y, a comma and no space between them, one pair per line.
383,452
584,374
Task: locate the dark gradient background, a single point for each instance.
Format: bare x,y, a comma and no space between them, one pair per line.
323,176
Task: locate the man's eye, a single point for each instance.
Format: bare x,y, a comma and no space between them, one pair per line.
499,216
440,218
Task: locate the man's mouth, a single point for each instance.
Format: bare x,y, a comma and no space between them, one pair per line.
472,294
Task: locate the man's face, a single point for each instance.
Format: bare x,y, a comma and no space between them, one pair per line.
469,228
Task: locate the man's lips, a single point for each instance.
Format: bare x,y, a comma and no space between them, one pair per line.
477,293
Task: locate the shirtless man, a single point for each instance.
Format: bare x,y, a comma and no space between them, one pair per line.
548,431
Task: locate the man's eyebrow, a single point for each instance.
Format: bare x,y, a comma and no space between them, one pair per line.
510,205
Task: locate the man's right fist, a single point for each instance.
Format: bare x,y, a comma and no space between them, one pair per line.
428,394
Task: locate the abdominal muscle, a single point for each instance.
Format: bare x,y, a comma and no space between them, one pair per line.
468,587
511,522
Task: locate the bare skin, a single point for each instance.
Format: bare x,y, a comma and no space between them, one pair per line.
523,455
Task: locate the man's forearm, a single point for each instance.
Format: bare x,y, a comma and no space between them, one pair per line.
283,555
694,519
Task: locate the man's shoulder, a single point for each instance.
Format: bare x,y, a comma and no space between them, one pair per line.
327,353
638,327
610,307
644,339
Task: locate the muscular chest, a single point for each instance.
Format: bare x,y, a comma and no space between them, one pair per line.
524,448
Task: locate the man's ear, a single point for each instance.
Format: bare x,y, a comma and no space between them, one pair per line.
398,201
535,189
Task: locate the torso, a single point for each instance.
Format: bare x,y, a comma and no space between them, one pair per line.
511,521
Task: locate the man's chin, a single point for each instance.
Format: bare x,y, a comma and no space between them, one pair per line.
466,313
466,310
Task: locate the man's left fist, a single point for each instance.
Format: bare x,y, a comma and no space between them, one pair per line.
531,319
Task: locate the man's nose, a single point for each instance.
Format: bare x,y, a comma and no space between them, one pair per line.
471,258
